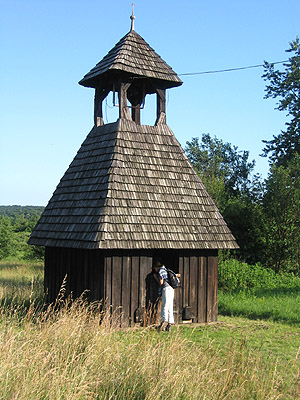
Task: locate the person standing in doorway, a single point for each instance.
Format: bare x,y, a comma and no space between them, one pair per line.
167,294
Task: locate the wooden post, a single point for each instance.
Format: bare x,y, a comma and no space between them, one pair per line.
136,113
100,95
136,101
123,109
161,107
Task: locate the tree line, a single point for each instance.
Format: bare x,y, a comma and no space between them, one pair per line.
16,225
262,214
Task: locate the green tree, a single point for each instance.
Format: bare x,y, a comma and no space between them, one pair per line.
282,215
224,170
16,224
244,217
227,176
285,86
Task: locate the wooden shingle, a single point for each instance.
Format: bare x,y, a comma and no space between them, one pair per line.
131,187
132,55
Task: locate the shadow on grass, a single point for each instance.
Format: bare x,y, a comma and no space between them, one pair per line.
20,294
265,315
278,292
22,283
10,304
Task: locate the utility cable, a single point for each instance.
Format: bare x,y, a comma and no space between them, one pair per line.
229,69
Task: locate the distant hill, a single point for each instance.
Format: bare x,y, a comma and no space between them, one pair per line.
26,211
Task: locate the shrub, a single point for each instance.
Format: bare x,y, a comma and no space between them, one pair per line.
236,276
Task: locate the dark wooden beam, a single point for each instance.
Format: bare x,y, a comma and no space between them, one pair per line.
161,106
136,103
136,113
136,95
123,108
100,95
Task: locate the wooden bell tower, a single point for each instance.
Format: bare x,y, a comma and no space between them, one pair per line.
129,195
131,70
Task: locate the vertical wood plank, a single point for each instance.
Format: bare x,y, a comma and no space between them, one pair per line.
126,266
61,271
193,285
79,273
71,271
135,271
202,269
180,290
52,287
209,289
90,265
54,281
176,304
152,311
87,283
144,270
108,285
96,276
100,276
47,264
186,281
66,259
116,294
215,289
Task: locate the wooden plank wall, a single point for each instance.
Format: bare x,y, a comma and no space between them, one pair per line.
120,280
125,284
82,271
199,275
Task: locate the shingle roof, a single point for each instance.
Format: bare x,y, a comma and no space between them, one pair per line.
131,187
133,55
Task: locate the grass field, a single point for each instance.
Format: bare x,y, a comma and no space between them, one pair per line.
68,354
21,284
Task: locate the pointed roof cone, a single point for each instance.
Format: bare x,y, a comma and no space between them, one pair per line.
131,186
132,55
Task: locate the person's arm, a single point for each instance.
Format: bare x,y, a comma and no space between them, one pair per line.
158,278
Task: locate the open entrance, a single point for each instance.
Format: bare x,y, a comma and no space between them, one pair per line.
170,258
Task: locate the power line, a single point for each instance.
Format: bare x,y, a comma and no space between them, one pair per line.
229,69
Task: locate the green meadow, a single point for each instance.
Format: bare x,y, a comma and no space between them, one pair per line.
77,351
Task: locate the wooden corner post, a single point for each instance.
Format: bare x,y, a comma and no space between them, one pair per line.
100,95
161,107
123,108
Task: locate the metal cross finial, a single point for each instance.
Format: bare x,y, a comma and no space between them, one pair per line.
132,17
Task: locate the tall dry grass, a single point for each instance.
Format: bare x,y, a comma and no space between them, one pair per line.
76,351
21,284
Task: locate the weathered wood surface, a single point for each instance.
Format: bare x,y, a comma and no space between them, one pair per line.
161,107
131,186
100,95
125,283
133,55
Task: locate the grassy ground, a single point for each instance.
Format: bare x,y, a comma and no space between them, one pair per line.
256,292
277,304
68,354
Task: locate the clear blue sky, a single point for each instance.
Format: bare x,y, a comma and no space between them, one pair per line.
47,46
